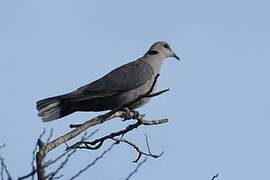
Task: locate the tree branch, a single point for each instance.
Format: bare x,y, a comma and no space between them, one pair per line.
140,153
4,168
93,162
96,144
215,176
136,169
50,162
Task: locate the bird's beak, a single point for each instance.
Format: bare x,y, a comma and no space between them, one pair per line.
175,56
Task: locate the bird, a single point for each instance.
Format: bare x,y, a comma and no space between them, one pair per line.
113,90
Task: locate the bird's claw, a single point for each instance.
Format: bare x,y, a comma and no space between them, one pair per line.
130,114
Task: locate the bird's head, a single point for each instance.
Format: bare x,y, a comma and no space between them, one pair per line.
162,48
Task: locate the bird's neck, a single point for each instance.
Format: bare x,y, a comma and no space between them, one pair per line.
155,62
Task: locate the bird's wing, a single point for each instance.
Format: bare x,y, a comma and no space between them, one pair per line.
121,79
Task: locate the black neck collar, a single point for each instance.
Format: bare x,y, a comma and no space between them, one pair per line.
151,52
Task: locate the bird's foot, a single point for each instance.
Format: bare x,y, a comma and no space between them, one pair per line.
130,114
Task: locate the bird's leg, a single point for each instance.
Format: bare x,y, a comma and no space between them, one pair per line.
136,114
130,114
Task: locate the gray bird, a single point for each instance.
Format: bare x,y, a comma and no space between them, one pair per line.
116,88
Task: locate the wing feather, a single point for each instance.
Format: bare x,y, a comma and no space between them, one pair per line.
119,80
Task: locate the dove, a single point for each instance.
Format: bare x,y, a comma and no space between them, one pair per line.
115,89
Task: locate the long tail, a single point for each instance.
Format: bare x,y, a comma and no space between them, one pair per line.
53,108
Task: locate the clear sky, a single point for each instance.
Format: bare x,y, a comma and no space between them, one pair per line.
219,101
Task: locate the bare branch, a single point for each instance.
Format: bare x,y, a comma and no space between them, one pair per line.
32,173
34,170
50,162
148,147
58,177
44,148
34,154
53,174
215,176
96,144
140,153
4,168
136,169
84,137
50,136
93,162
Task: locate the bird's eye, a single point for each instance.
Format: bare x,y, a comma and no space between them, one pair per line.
167,46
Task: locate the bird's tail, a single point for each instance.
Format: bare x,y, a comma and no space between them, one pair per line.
53,108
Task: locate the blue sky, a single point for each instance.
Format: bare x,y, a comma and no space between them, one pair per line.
219,101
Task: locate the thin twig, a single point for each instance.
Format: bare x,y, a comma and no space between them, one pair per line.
84,137
50,136
2,172
140,152
93,162
149,151
53,174
4,169
34,170
215,176
32,173
136,169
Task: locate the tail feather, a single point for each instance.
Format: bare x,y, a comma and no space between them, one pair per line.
45,102
53,108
